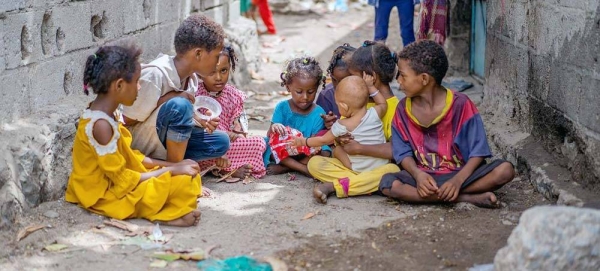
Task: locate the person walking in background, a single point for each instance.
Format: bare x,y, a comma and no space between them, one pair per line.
383,8
434,21
266,15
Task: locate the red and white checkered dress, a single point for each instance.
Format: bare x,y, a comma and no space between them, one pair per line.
243,151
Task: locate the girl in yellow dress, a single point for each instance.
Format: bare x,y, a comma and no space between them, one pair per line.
108,177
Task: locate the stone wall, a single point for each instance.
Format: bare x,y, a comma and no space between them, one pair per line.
43,47
458,42
542,75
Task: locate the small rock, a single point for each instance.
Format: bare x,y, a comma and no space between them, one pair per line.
442,219
507,223
51,214
464,206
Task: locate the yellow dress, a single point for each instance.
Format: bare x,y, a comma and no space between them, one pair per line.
105,178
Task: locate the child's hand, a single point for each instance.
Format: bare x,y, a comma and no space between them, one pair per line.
222,162
187,162
449,190
185,169
209,125
278,128
329,119
426,185
369,79
234,136
298,141
344,139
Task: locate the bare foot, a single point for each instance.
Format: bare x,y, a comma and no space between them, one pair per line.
275,169
243,172
483,200
191,219
206,192
321,191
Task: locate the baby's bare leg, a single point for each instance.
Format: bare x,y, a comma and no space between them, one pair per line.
341,155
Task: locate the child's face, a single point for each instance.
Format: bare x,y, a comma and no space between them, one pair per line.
337,75
410,82
304,91
129,90
217,79
206,61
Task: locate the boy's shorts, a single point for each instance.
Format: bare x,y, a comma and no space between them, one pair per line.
403,176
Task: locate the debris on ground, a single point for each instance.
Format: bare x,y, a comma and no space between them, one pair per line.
234,263
28,230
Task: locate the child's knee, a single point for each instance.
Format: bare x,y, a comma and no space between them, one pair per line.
505,173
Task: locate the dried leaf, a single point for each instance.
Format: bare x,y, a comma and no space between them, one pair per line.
374,246
169,257
28,230
55,247
133,228
159,264
202,173
308,216
276,264
194,256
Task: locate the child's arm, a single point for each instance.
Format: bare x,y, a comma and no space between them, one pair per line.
277,119
380,102
426,185
316,141
341,155
352,147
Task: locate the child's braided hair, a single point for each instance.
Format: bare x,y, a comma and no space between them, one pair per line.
337,60
230,53
375,57
302,66
108,64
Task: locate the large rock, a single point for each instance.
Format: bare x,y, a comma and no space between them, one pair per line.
241,34
553,238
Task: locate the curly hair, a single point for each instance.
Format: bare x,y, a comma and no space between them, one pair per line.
108,64
426,56
338,60
230,53
198,31
302,66
375,58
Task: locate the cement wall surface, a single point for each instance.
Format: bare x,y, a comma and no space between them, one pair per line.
543,75
43,47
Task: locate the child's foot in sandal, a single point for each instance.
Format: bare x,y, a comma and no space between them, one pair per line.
243,172
322,191
191,219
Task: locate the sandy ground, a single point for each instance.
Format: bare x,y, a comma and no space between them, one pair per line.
265,218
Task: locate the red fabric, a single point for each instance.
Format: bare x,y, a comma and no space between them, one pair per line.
434,21
282,149
265,15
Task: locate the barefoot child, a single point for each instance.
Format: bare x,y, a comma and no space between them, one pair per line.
337,70
439,138
245,153
363,124
378,60
302,78
111,179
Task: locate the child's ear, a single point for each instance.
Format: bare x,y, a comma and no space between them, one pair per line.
198,53
425,78
119,84
343,106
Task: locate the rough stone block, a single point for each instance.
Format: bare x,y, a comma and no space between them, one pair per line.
151,39
10,5
233,13
167,11
588,114
111,16
22,38
138,15
553,238
195,6
242,35
217,14
14,97
2,49
74,22
167,37
208,4
46,3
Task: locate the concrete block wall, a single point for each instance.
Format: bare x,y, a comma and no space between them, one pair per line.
543,74
43,48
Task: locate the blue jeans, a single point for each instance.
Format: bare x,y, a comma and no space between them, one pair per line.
382,19
175,122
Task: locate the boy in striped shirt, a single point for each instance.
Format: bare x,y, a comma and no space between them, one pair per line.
438,138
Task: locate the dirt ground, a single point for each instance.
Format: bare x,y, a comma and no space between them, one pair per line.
277,216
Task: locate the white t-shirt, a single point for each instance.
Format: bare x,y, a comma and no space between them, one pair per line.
158,78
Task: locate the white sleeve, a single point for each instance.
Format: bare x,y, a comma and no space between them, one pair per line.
147,98
337,129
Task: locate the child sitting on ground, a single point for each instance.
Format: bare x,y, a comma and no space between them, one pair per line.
337,70
245,153
363,124
438,138
302,78
111,179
